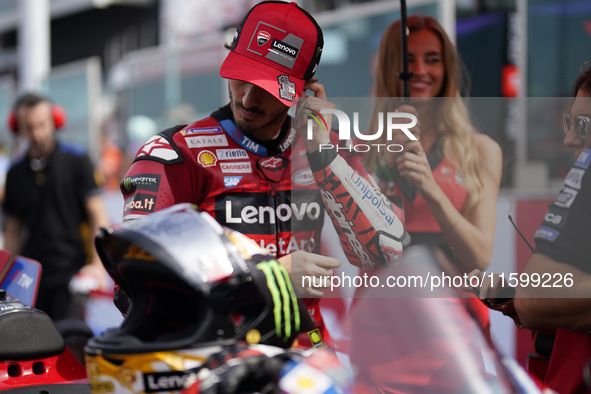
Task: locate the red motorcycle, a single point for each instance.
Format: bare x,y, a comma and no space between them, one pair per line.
204,318
211,312
33,355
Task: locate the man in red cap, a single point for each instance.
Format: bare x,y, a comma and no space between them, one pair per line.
253,172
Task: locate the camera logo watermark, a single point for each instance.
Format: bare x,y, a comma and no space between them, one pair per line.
345,129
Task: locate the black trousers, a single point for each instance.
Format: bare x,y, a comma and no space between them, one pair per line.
57,302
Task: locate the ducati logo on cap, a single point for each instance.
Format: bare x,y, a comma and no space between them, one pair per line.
263,37
287,88
275,45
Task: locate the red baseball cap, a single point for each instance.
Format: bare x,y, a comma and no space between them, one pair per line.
276,47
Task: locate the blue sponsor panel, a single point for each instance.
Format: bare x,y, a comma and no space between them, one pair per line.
202,130
574,178
22,280
547,233
242,139
230,181
584,159
566,197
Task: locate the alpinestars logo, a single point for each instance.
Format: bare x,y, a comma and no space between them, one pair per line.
272,163
158,147
287,88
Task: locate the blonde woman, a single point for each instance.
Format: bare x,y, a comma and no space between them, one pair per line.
449,178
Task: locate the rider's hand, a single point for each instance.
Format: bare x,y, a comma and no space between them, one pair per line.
308,108
308,268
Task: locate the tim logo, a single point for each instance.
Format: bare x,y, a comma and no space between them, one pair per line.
345,129
21,279
230,181
263,37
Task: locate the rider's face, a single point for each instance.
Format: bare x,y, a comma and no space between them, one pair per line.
255,110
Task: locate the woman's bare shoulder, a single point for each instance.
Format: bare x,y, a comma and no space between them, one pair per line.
490,154
486,146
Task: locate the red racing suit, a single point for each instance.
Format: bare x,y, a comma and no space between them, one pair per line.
270,192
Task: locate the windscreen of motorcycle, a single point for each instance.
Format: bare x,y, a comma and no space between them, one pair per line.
407,336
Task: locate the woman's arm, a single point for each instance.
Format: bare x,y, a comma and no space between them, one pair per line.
471,235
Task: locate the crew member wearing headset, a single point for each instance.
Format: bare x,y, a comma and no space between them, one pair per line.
51,193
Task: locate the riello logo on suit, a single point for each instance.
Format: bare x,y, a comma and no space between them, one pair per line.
395,122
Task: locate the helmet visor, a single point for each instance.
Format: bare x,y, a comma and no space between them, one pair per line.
190,244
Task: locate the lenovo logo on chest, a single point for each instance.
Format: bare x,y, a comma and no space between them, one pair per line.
256,211
251,214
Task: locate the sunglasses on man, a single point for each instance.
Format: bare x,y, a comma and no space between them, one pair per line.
581,124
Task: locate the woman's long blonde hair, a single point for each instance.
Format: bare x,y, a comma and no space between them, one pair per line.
453,120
